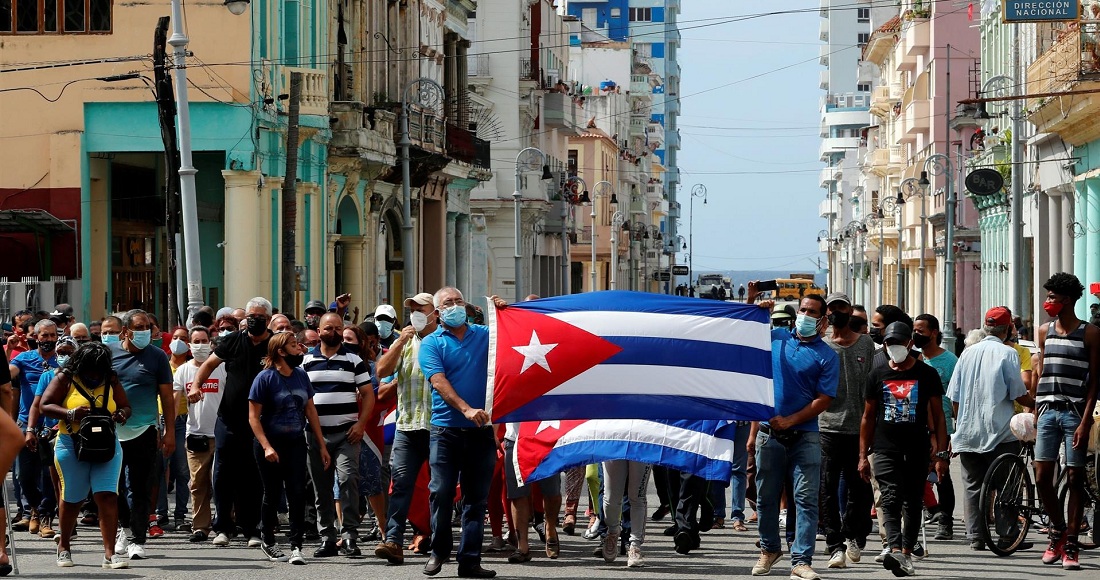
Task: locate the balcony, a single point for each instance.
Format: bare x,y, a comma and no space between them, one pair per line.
362,133
827,208
824,80
655,134
672,139
639,85
314,90
882,101
823,31
559,111
916,38
823,55
427,130
637,125
831,145
828,177
672,35
916,119
464,146
1066,65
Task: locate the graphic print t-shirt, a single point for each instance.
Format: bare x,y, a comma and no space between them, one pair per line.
901,400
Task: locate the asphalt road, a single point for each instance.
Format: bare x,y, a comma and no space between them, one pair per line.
724,554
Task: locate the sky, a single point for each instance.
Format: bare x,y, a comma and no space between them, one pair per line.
754,142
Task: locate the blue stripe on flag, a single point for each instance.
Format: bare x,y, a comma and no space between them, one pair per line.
652,407
627,301
588,452
675,352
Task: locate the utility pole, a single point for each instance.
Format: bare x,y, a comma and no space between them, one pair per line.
166,115
1015,209
290,195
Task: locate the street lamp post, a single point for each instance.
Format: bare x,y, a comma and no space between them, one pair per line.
617,222
529,158
887,205
428,94
189,213
574,191
698,190
911,187
601,189
936,165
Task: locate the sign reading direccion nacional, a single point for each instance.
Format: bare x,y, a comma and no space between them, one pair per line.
1041,10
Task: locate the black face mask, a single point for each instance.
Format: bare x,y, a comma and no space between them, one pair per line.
920,341
331,340
876,335
47,345
840,319
256,326
294,360
32,343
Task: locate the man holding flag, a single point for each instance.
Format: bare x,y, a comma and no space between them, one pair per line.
805,372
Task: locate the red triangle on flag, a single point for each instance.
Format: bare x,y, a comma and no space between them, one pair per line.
900,389
537,439
535,353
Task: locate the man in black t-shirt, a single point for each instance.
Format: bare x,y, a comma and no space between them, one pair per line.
903,406
243,353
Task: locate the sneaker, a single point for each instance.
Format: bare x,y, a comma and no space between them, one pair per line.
221,540
944,530
350,549
296,557
634,557
765,562
882,555
255,542
804,572
1055,549
155,531
918,553
122,541
854,552
838,560
1070,556
116,562
899,564
199,536
593,530
496,544
782,518
135,552
273,553
64,559
977,545
610,547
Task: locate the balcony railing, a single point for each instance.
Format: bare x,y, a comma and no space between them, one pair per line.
426,129
526,72
314,90
462,145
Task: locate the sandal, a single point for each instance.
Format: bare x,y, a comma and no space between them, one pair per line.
553,548
569,526
739,526
518,557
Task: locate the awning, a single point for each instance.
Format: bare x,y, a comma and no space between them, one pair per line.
31,221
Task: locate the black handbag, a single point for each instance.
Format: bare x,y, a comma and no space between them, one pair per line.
95,439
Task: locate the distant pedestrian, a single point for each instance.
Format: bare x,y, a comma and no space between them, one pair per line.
741,292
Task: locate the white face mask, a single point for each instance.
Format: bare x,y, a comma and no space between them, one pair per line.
419,320
201,352
897,353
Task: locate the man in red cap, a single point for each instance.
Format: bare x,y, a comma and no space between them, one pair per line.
986,382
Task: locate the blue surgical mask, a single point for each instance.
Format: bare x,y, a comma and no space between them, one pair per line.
141,338
109,338
453,316
385,328
62,359
806,326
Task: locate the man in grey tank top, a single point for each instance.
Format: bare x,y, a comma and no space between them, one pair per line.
1064,400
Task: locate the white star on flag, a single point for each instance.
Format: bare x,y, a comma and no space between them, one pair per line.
548,425
535,353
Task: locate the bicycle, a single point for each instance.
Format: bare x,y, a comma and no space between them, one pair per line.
1009,506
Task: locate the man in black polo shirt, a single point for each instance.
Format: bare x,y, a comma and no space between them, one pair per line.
344,399
235,468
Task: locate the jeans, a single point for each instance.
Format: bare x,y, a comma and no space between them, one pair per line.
739,477
901,477
800,459
234,463
35,482
343,471
138,458
463,456
974,467
410,451
840,459
633,477
288,475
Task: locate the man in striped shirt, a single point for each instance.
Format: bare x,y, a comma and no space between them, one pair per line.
1069,347
344,399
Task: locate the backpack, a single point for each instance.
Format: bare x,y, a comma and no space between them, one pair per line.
94,439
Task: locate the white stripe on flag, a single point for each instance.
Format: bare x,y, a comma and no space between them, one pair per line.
672,381
682,326
640,431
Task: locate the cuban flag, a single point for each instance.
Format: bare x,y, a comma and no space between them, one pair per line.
629,355
703,448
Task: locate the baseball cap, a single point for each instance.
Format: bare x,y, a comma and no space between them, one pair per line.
423,299
898,331
998,316
838,297
781,311
385,310
315,305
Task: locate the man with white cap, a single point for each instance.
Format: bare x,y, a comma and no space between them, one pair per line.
385,318
414,413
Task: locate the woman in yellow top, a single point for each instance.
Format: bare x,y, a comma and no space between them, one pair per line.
90,368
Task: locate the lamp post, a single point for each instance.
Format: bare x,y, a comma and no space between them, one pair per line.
530,159
888,205
189,213
574,192
849,233
936,165
910,187
869,222
618,220
601,189
428,94
698,190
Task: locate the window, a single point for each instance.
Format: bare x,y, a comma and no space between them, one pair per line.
863,87
588,17
54,16
641,14
863,14
615,12
644,49
863,38
573,163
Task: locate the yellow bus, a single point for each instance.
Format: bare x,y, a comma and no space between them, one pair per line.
795,288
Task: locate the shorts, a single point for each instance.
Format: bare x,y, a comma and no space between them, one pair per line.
79,478
1055,428
550,487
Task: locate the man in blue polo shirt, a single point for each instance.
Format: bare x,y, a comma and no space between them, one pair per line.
805,372
455,359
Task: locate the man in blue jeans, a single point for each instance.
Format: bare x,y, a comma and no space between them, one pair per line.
455,359
805,372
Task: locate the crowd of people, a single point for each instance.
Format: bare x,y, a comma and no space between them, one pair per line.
870,409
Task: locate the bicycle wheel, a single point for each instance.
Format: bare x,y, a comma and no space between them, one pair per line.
1006,502
1087,537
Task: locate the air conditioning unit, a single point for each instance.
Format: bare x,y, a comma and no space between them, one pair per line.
552,76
